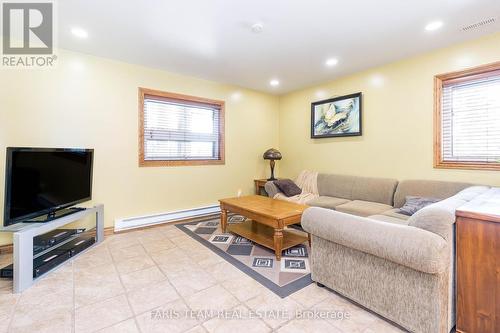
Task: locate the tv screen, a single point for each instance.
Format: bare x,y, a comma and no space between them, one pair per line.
42,180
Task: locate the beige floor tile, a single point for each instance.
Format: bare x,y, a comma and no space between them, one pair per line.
91,286
41,300
149,234
99,272
239,321
118,241
308,326
145,277
152,246
224,271
152,296
204,257
48,321
93,258
127,326
355,319
134,264
197,329
7,302
103,314
280,310
310,295
128,252
214,298
4,323
173,233
244,288
173,317
381,326
35,312
190,280
165,256
183,240
173,261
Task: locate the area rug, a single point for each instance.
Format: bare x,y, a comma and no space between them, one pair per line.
282,277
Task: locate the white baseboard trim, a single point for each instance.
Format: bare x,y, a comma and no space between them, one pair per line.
150,220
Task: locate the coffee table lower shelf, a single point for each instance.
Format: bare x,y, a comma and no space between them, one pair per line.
265,236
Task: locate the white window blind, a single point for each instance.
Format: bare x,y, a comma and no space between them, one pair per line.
177,130
470,118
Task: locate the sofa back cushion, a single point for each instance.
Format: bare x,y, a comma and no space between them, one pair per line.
379,190
338,186
440,216
426,188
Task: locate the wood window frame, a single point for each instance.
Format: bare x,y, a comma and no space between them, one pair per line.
143,92
455,77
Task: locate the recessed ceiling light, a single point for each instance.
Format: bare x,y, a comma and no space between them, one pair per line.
274,83
257,27
434,26
331,62
79,32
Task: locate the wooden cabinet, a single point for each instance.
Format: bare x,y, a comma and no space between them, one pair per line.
478,264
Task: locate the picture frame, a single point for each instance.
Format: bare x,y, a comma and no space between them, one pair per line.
337,117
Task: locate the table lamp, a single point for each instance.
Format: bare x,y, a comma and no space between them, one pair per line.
272,155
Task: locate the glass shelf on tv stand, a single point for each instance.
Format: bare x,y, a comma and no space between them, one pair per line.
23,234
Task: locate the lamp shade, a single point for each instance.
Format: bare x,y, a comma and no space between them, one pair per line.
272,154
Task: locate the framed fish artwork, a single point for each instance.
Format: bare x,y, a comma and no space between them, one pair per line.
336,117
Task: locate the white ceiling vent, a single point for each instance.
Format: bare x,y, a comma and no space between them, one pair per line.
479,24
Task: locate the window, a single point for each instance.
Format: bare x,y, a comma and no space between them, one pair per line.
467,119
179,130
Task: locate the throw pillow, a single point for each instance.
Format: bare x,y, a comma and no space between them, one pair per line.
414,204
288,187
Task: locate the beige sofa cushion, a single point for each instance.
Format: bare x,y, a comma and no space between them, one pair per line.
426,188
395,212
338,186
379,190
363,208
388,219
327,202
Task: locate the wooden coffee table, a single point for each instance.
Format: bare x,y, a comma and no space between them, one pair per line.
269,217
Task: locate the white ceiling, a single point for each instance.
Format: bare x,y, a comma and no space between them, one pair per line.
212,39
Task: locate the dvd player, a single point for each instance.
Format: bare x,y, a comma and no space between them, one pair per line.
49,260
41,264
54,237
78,244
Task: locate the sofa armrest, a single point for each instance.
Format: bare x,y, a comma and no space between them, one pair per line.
408,246
271,189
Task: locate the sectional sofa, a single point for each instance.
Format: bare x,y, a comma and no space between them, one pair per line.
401,267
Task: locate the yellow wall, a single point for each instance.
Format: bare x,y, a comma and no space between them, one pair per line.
93,102
397,136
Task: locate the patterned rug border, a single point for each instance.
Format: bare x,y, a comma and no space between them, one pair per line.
280,291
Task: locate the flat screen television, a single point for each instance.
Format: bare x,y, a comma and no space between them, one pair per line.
42,181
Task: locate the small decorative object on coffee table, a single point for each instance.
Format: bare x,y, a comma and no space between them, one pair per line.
269,219
273,155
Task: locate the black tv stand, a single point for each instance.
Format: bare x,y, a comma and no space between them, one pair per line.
55,215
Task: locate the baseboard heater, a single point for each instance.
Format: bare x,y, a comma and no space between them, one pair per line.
150,220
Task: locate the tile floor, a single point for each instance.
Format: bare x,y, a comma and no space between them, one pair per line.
139,281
